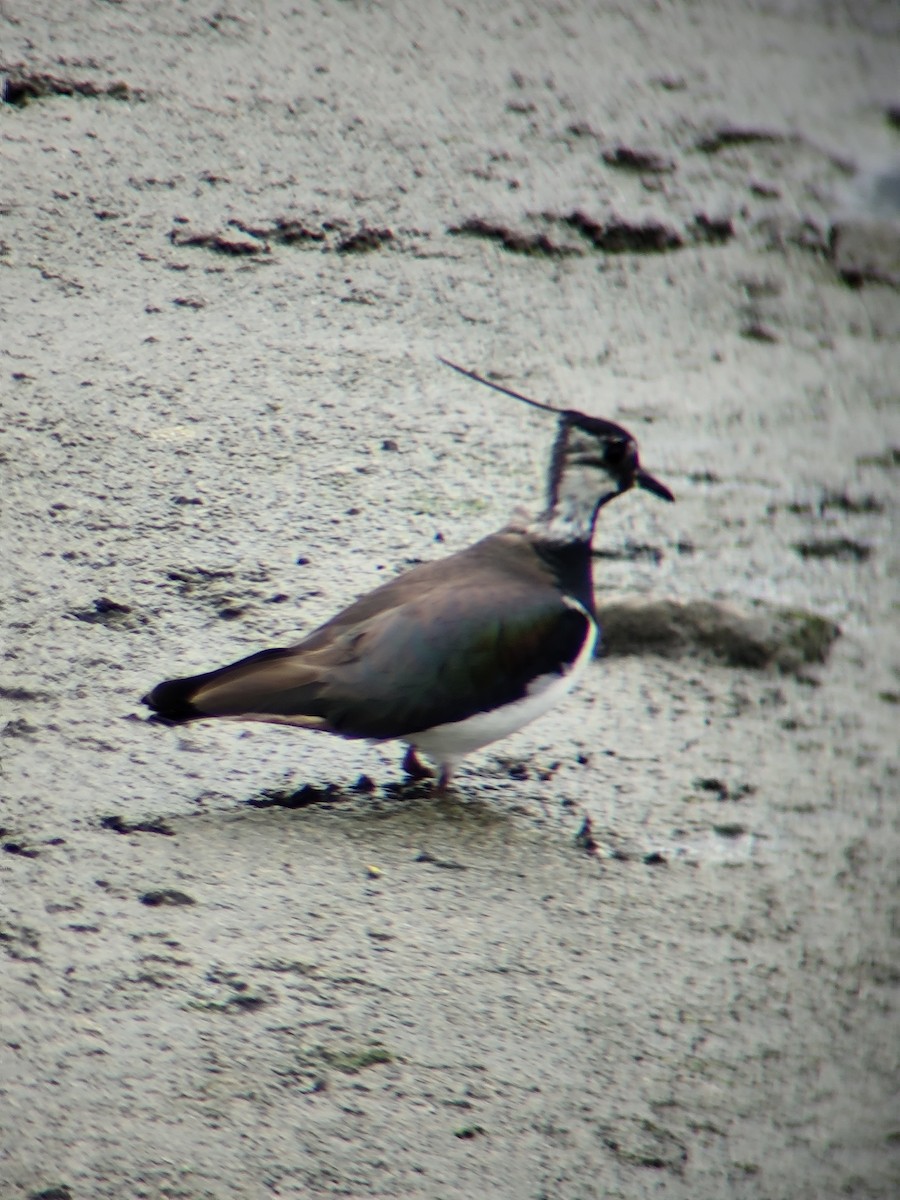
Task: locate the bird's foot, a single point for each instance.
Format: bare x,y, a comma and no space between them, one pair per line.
414,767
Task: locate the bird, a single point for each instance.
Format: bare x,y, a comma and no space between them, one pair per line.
456,653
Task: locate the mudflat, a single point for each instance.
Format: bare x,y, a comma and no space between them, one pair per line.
650,945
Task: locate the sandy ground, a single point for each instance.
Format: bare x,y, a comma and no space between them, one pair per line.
223,287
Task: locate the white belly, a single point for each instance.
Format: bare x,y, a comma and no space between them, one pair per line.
444,743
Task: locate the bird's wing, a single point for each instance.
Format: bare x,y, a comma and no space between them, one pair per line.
439,657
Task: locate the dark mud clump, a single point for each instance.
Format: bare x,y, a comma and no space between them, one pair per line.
166,898
516,240
785,638
19,86
617,235
302,797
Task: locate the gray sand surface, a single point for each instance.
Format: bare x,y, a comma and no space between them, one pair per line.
650,947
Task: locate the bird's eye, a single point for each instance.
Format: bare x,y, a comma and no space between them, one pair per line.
617,452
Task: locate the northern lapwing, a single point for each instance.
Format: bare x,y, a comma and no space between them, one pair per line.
453,654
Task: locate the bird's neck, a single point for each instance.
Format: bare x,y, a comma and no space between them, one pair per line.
575,494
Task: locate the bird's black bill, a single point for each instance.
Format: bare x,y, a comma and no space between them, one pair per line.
643,479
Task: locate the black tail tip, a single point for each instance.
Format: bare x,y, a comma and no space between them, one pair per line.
170,702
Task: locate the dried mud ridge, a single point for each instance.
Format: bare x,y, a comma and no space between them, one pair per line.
612,234
19,86
119,824
335,235
861,249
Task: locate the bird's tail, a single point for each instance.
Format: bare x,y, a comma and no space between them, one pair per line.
171,701
273,685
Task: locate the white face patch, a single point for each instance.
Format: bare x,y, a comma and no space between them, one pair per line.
451,741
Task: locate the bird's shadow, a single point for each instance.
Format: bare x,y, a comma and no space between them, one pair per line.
416,801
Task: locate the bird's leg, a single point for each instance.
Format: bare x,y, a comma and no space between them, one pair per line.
413,765
442,787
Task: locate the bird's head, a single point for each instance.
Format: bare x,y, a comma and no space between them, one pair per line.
595,445
594,457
